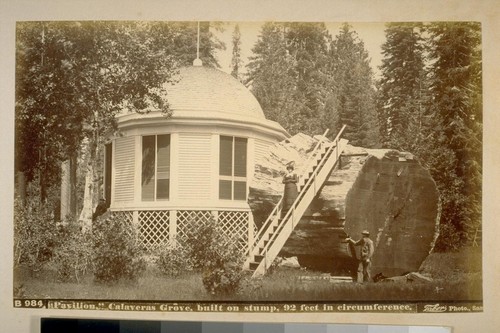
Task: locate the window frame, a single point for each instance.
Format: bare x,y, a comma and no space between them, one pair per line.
155,177
233,179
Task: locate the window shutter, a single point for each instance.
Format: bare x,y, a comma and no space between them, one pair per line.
124,175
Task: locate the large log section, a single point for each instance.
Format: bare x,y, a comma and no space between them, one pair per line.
387,192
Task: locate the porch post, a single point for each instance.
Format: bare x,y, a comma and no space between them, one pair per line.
135,219
251,235
173,227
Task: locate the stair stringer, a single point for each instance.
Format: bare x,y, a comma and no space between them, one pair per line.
278,239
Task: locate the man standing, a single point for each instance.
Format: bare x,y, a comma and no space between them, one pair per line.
364,274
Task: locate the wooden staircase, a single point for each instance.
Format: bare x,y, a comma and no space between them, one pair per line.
276,230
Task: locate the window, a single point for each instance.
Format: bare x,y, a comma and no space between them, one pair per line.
155,167
233,168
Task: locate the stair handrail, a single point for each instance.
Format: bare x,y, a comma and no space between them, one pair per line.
313,176
287,218
270,218
309,162
264,227
301,194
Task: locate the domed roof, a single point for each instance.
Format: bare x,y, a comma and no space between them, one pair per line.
206,89
204,98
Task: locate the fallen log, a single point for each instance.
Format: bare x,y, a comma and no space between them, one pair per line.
386,192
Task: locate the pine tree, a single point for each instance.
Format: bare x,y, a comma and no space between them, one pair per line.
457,104
236,61
353,102
272,77
286,74
307,43
430,103
402,94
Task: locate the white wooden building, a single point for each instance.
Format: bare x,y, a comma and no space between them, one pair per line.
164,174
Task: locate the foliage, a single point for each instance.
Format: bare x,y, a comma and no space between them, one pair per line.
73,257
72,78
224,277
353,98
174,260
454,279
117,251
286,74
403,87
35,234
184,40
449,238
217,256
272,78
308,82
457,104
236,61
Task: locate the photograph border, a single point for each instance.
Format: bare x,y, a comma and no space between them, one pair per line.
484,11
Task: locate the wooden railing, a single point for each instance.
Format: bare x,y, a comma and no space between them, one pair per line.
271,241
273,217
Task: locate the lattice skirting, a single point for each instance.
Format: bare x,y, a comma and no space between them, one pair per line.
235,223
187,219
156,228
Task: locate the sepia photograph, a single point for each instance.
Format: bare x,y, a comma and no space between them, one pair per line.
248,167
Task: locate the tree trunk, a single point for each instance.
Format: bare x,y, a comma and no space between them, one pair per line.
21,187
65,190
73,184
68,188
85,218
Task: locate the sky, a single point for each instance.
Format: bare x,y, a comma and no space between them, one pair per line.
372,35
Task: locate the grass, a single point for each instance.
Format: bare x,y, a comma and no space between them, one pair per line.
152,285
460,289
456,276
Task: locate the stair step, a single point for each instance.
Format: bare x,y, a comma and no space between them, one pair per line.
253,266
275,236
258,258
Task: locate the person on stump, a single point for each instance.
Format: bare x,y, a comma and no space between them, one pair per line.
290,179
367,248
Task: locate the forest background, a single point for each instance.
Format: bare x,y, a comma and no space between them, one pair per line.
72,78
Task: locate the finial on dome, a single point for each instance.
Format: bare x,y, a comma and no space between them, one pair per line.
197,62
